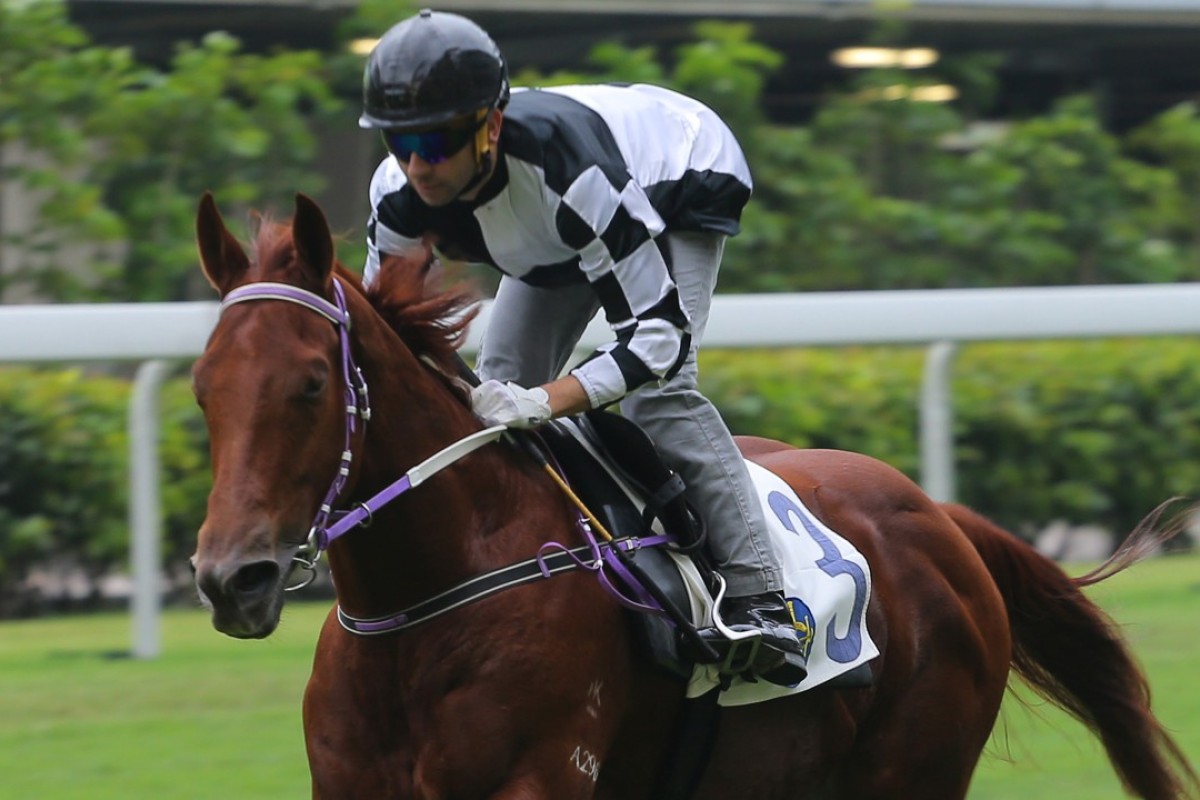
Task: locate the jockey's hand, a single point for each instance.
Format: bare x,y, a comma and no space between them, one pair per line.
510,405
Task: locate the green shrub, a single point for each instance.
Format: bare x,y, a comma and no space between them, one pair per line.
1096,432
62,455
1090,432
64,474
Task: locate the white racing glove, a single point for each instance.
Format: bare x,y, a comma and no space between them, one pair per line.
510,405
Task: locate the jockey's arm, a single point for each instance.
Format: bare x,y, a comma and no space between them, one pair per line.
567,396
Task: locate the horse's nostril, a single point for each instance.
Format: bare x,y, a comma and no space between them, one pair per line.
255,579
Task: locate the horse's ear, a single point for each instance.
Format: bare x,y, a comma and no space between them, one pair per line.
221,255
311,236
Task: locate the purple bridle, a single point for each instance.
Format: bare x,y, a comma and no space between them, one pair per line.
328,524
358,403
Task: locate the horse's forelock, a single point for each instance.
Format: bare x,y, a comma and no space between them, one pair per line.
275,253
273,249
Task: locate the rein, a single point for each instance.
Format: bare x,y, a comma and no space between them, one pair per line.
328,524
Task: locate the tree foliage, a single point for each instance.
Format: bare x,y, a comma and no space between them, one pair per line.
51,82
878,191
117,152
882,190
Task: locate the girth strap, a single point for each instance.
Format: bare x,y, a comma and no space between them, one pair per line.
489,583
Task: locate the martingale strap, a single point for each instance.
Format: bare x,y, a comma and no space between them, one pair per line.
489,583
361,514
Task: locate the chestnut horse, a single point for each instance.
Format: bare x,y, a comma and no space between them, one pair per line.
537,692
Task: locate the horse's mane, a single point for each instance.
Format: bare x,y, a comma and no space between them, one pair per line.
432,322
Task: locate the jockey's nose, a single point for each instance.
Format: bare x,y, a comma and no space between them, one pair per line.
417,165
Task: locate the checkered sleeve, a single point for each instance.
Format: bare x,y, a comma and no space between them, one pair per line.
607,218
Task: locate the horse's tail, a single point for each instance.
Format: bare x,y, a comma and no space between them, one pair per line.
1071,653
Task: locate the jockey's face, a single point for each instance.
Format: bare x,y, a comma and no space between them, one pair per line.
439,174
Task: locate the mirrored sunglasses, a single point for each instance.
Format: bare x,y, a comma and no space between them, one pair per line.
433,146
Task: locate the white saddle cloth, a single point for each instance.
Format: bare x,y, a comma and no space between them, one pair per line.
826,580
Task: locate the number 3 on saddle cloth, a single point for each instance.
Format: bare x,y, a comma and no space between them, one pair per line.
613,467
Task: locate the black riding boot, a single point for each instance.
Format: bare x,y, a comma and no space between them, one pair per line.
781,658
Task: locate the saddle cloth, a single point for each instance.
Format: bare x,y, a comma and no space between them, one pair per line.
826,579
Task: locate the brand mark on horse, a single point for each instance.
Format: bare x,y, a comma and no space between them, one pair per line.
586,763
593,701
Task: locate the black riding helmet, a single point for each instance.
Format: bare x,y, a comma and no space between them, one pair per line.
429,69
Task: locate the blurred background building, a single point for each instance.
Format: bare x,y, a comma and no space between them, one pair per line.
1140,55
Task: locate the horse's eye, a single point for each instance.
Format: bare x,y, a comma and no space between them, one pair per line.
314,378
314,386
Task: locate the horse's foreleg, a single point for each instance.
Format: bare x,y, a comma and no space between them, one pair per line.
780,750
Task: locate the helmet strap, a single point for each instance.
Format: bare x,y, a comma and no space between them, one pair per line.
483,154
484,165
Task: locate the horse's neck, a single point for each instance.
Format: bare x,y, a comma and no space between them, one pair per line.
436,534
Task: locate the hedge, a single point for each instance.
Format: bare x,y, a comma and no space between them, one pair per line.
1092,432
1096,432
64,467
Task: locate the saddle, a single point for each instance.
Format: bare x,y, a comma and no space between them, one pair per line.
614,468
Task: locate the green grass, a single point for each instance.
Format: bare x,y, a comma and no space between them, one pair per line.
1042,753
217,718
211,718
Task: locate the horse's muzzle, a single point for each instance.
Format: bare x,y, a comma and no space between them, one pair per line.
245,596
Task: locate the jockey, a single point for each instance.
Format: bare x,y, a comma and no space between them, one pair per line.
585,197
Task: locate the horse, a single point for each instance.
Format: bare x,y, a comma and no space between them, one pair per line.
537,692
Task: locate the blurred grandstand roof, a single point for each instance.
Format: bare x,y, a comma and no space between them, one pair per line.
1141,55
